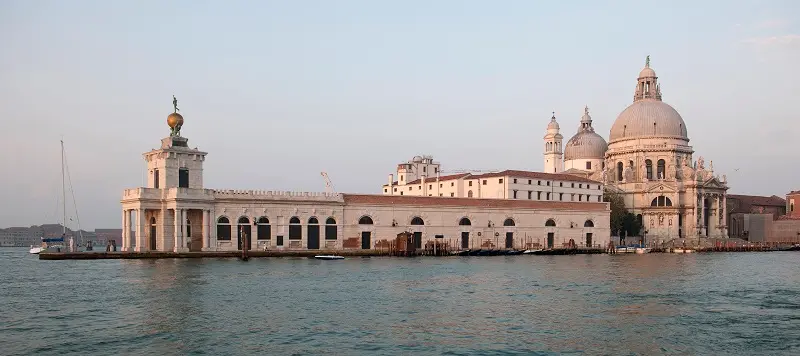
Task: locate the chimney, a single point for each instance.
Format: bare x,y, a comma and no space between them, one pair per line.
391,184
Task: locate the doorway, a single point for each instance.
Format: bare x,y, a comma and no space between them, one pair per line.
509,240
313,237
417,238
153,234
465,239
366,236
551,238
588,239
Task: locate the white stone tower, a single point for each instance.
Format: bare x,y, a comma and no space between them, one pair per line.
553,154
175,165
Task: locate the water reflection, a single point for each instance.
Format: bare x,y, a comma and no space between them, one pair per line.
631,304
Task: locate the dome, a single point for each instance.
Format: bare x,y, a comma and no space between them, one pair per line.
648,118
174,119
585,145
553,125
647,72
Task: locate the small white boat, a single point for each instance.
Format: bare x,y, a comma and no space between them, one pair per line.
528,252
678,250
328,257
688,251
643,250
35,250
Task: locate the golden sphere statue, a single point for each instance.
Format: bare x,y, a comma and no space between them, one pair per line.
174,120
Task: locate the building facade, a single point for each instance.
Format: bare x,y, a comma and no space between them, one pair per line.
649,162
175,212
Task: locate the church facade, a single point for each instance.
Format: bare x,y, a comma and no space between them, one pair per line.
649,162
175,212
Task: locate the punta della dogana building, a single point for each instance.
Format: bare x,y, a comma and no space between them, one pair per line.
176,212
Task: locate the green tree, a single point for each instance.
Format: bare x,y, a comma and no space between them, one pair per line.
618,211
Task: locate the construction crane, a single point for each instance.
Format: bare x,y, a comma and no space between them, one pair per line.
328,184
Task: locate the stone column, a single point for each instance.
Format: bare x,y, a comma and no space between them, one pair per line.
206,225
184,229
177,230
125,229
725,216
139,231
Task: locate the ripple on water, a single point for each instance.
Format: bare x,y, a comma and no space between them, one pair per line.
531,305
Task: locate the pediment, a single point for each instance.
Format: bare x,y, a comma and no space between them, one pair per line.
714,183
661,188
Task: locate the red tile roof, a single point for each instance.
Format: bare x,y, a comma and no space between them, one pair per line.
750,200
535,175
441,178
470,202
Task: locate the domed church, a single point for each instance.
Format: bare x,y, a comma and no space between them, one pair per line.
647,160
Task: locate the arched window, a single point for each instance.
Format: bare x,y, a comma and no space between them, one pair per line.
295,230
588,223
264,230
661,201
153,221
365,220
620,168
417,221
313,221
509,222
223,228
649,168
244,220
551,222
465,222
330,229
661,169
469,194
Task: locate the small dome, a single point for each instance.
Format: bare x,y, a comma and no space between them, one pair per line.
585,145
174,119
648,118
647,72
553,125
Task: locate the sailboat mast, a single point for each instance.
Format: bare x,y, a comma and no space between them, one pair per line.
63,191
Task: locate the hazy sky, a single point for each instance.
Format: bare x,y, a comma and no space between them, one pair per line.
277,91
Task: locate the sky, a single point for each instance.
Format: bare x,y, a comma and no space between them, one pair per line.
278,91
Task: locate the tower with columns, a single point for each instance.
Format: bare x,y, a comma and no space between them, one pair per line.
172,212
553,153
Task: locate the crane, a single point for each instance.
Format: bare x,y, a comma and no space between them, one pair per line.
328,184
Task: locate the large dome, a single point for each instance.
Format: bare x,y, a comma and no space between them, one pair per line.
585,145
648,118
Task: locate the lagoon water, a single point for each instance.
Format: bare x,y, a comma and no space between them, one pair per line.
711,304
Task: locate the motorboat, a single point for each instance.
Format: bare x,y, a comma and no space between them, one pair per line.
530,252
35,250
328,257
678,250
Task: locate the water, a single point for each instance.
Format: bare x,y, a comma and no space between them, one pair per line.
714,304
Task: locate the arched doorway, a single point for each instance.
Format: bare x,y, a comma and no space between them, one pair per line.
551,235
223,229
153,231
588,224
465,234
312,231
366,236
509,234
243,234
417,235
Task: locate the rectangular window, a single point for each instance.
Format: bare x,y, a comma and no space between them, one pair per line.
183,178
484,182
279,239
330,232
580,197
538,182
515,181
441,185
588,165
599,198
264,231
538,195
548,183
430,186
561,196
452,184
573,185
515,194
581,186
530,194
548,196
386,190
470,183
395,189
501,181
155,178
452,194
560,184
529,181
424,169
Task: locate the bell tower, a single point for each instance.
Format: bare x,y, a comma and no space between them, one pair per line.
175,165
553,153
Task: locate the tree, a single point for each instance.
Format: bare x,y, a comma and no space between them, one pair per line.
618,211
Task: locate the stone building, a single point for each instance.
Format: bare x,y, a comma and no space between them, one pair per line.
175,212
740,206
648,160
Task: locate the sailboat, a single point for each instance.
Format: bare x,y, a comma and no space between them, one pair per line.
58,242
